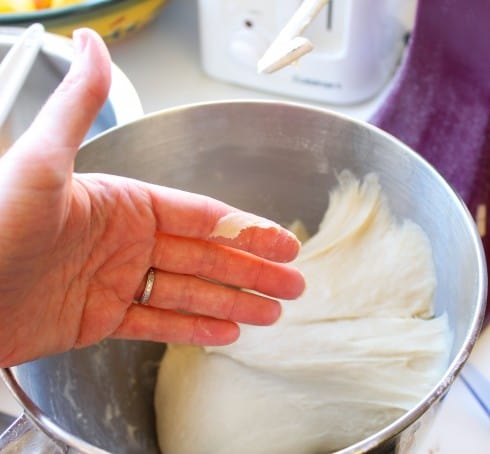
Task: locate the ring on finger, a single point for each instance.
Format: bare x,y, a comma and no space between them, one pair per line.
150,280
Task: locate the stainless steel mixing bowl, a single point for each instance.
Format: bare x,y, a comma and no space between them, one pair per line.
278,160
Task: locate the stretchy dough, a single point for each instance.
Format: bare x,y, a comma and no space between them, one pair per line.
231,225
355,352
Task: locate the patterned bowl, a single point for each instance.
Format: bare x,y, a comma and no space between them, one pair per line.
112,19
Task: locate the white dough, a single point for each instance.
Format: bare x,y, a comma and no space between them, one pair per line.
231,225
356,351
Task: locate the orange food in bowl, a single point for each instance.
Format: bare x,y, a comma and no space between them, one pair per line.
40,4
20,6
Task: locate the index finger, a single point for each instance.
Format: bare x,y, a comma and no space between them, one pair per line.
197,216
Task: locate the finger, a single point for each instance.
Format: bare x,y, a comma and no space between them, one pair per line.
197,216
256,235
197,296
223,264
147,323
58,130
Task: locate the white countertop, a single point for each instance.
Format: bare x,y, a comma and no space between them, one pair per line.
163,63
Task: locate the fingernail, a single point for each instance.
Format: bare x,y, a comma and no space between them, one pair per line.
298,285
79,41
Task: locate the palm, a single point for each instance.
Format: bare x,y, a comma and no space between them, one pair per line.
90,265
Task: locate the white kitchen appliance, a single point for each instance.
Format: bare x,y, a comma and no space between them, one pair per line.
356,46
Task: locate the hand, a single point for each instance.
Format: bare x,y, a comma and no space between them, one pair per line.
75,249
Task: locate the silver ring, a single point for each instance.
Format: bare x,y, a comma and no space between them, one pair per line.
150,280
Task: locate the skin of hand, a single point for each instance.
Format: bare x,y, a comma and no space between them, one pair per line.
75,249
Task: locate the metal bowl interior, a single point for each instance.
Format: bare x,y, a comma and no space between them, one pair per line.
113,19
123,104
278,160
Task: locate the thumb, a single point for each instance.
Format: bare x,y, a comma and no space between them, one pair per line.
54,137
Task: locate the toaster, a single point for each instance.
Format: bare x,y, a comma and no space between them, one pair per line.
356,46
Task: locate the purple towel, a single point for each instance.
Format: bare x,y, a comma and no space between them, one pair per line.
440,103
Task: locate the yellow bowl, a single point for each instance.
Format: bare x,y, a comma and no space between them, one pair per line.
112,19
